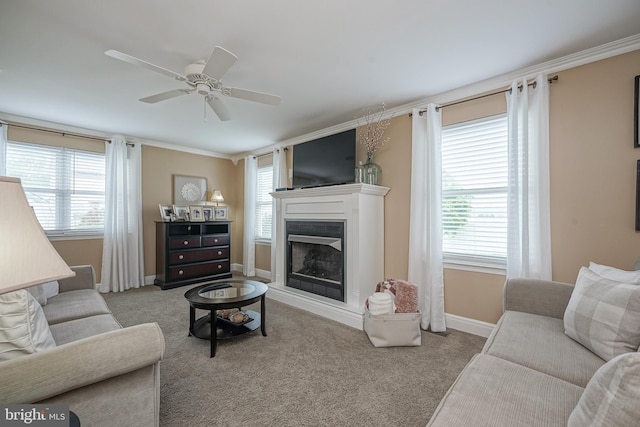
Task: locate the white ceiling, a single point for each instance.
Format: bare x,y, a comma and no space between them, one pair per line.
327,59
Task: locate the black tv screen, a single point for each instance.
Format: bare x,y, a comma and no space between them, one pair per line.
325,161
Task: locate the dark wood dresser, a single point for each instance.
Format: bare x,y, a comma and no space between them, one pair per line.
191,252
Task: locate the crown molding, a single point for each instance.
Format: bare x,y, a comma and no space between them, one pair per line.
59,127
608,50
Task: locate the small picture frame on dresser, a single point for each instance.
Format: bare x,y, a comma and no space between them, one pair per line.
181,213
195,213
207,212
221,213
166,211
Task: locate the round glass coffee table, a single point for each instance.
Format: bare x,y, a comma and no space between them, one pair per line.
221,295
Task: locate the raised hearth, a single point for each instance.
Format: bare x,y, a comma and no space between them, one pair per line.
329,249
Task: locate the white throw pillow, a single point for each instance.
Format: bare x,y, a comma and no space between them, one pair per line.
23,327
603,315
616,274
611,396
51,289
38,293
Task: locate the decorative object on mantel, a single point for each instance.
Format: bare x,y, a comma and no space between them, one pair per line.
188,189
370,135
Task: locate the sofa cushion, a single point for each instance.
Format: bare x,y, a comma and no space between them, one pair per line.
75,305
494,392
611,397
74,330
23,327
615,273
539,343
604,315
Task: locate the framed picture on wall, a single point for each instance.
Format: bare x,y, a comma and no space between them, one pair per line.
221,213
636,113
188,189
638,197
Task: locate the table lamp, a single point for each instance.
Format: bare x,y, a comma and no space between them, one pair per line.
217,197
27,258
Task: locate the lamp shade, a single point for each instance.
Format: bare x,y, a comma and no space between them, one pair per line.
27,258
217,196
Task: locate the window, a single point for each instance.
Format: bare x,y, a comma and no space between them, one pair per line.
264,203
65,187
474,192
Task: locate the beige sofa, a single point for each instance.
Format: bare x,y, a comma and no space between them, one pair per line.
108,375
530,373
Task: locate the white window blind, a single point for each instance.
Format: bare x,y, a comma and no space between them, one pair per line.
474,192
65,187
264,202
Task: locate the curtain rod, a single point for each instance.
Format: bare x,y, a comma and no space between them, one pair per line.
57,132
498,92
268,154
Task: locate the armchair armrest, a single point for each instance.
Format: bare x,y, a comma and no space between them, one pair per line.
537,296
39,376
85,278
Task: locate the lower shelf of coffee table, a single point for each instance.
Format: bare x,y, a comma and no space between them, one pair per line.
226,329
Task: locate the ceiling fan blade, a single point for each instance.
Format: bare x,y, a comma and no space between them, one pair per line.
251,95
165,95
219,62
218,107
135,61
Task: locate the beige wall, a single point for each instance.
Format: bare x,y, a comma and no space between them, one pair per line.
158,167
593,169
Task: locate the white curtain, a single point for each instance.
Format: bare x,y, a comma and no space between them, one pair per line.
279,181
3,149
249,244
122,251
425,221
528,205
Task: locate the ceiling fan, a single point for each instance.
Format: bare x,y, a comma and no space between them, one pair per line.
203,78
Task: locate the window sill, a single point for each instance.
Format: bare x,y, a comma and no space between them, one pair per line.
88,236
475,268
263,242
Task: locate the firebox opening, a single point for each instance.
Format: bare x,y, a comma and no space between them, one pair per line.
315,257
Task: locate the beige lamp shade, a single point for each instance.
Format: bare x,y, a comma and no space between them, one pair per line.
27,258
217,197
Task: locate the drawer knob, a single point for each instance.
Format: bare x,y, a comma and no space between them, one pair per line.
189,228
219,267
219,252
180,256
215,240
186,242
180,272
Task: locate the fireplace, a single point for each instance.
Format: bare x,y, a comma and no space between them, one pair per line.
315,257
345,226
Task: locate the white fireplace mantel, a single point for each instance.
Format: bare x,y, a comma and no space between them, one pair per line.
361,207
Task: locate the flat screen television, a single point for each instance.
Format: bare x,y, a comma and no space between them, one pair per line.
325,161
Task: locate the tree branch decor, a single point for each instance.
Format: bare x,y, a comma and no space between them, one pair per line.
370,133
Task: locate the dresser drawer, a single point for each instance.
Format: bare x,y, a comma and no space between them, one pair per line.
184,242
196,270
215,240
190,255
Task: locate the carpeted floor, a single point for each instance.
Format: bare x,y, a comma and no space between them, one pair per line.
308,371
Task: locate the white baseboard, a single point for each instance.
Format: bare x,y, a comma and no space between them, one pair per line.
471,326
344,316
148,280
